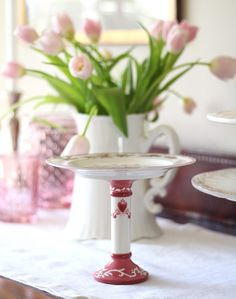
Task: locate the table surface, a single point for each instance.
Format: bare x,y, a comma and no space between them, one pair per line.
187,261
10,289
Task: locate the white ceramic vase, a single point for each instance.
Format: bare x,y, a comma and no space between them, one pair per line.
90,211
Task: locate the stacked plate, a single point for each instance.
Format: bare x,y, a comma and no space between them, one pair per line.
219,183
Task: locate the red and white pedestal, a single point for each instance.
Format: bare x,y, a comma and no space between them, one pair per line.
124,169
121,269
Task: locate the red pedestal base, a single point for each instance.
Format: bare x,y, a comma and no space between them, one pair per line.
121,270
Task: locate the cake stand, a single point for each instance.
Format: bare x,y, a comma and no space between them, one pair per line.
121,170
225,117
219,183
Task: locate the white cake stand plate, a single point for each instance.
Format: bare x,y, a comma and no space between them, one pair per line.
219,183
121,170
226,117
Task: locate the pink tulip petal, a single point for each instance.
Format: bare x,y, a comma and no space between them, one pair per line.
51,43
26,33
189,105
80,67
223,67
93,30
190,29
176,40
12,70
77,145
63,25
156,30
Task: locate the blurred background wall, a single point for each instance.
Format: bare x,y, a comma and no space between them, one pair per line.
216,20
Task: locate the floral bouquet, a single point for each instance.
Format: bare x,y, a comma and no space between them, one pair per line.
87,80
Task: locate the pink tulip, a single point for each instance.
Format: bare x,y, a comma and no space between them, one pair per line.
156,30
93,30
26,33
223,67
77,145
152,116
166,29
157,102
12,70
51,43
189,105
176,40
190,29
63,25
80,67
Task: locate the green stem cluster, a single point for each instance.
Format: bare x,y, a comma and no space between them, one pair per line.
134,92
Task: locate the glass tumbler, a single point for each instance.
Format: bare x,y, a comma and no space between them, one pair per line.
18,188
55,185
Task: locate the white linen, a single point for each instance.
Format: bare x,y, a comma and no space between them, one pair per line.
187,261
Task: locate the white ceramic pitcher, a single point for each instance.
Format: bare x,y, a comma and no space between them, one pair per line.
90,211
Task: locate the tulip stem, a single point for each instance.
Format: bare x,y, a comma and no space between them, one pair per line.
17,105
177,94
93,112
191,63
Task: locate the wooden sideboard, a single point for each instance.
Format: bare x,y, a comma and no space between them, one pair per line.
183,203
10,289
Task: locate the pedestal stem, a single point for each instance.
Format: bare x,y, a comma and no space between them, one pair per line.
14,97
121,269
120,216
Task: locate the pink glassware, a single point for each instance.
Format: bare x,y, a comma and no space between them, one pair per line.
18,188
54,185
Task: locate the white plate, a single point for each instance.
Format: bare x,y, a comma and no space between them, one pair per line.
121,166
226,117
219,183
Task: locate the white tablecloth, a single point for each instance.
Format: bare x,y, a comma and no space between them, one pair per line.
185,262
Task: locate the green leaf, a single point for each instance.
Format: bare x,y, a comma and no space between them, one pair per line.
48,123
127,83
118,58
124,78
113,101
17,105
155,50
175,78
169,60
95,50
63,67
156,89
130,79
138,71
64,89
50,99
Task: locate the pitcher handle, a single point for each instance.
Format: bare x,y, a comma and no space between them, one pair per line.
158,185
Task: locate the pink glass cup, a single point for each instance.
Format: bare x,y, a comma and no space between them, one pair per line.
54,185
18,188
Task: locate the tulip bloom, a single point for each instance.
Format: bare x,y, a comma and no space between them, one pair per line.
12,70
190,30
51,43
93,30
77,145
63,25
152,116
80,67
166,27
156,30
223,67
26,34
176,40
189,105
